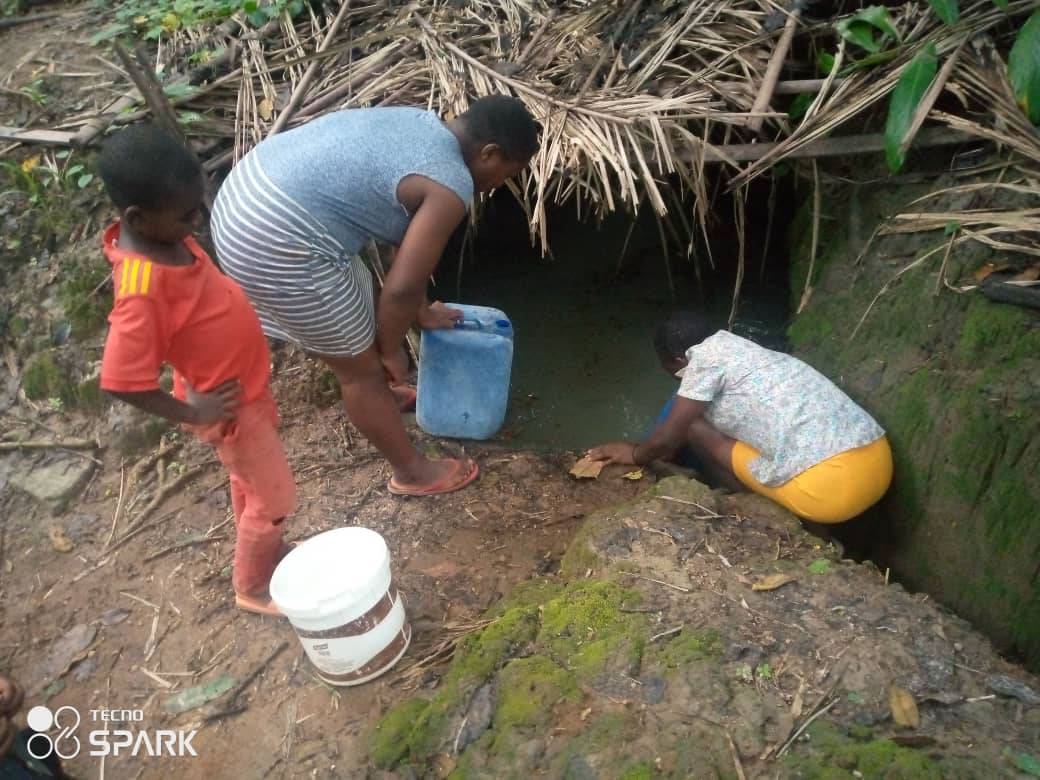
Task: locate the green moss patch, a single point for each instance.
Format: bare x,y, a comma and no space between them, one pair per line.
829,754
584,627
529,688
687,647
45,378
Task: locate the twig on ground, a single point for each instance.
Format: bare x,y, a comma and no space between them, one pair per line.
49,444
182,545
679,588
669,632
227,701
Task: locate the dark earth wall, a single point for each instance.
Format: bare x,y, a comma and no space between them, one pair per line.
955,380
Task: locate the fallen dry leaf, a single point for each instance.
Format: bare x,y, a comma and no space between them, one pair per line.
265,108
773,581
634,475
59,540
903,706
62,654
988,268
1031,274
586,468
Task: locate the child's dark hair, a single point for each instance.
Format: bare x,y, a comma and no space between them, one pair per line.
502,120
145,166
682,330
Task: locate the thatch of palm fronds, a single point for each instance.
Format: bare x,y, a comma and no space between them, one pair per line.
633,96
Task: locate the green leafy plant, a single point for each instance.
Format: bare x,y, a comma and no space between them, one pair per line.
913,83
869,28
152,19
1024,67
820,566
764,672
947,10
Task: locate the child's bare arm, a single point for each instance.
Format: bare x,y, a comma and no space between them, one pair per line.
197,408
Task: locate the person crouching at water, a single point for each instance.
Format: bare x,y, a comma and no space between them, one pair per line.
763,421
293,215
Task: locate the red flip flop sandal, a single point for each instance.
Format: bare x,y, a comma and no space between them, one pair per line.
462,474
405,396
257,605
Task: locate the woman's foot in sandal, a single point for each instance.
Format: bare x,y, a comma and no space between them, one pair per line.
260,604
460,473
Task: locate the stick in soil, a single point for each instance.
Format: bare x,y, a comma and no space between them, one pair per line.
211,712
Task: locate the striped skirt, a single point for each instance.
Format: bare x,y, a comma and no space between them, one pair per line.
305,287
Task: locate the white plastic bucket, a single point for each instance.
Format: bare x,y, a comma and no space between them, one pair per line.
335,589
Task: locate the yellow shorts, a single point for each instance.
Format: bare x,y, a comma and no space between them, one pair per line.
832,491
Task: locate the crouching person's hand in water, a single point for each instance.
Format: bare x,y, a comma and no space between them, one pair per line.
621,452
437,316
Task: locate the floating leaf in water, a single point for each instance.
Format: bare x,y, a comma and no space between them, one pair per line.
191,698
1024,67
820,566
774,581
913,83
586,468
947,10
903,706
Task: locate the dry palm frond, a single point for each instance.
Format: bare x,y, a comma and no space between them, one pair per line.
632,97
448,638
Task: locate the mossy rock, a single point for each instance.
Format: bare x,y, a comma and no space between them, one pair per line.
45,377
951,378
83,298
830,754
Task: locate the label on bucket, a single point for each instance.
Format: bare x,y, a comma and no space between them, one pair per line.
362,647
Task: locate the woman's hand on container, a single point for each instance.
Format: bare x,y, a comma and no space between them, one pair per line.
437,316
617,452
396,365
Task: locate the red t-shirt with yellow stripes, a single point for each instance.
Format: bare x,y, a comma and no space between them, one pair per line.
191,317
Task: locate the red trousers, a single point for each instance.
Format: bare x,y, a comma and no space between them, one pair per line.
263,491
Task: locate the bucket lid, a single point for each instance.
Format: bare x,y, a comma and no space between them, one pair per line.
328,569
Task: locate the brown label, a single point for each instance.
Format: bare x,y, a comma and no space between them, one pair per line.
381,659
357,626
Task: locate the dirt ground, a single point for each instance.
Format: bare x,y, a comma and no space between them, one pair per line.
121,602
452,556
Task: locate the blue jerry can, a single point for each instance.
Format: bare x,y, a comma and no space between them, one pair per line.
464,375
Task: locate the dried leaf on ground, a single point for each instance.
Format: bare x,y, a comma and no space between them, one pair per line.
634,475
265,108
586,468
903,706
59,540
773,581
62,654
191,698
1007,686
1031,274
989,268
111,617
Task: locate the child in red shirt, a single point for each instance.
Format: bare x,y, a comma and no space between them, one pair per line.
173,306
